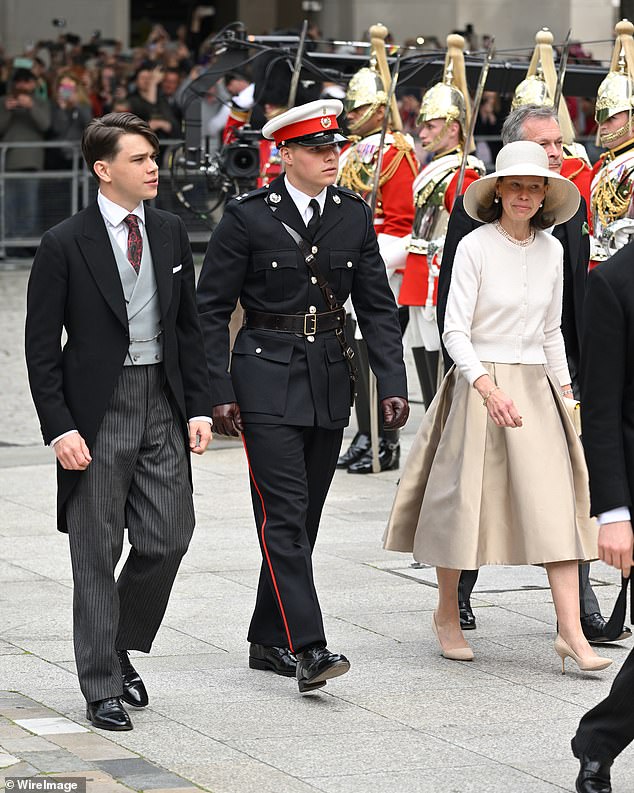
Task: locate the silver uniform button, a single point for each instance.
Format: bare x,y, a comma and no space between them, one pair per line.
348,264
310,338
258,350
312,309
313,280
314,249
273,264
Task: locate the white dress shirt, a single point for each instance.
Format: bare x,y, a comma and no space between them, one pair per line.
302,201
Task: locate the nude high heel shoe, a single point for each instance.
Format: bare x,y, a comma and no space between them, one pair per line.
457,654
591,664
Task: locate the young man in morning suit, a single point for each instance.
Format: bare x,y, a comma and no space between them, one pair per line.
539,124
284,251
122,404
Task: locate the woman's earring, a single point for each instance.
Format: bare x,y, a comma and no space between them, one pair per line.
541,205
496,200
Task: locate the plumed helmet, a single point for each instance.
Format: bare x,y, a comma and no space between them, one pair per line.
365,88
447,99
532,91
616,92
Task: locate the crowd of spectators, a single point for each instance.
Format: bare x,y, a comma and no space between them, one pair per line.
51,90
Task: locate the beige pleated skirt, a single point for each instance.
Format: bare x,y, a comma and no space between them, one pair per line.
474,494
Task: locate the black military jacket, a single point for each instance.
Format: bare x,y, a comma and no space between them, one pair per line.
283,378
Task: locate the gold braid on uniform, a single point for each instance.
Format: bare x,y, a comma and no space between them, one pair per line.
357,175
611,201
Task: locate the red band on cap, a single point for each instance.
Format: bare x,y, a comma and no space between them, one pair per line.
307,127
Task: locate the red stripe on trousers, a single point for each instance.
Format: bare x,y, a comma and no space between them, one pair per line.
266,550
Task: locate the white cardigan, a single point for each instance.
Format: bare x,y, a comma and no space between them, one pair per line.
504,303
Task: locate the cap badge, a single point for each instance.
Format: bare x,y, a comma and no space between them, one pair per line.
275,198
326,122
336,199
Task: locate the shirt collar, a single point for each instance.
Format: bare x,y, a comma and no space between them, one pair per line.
114,214
301,200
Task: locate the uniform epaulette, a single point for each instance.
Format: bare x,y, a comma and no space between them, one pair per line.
252,194
350,193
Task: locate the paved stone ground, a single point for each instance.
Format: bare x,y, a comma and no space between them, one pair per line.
403,719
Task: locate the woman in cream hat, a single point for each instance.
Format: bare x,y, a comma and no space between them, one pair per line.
496,474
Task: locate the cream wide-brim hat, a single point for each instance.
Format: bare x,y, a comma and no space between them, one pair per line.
525,158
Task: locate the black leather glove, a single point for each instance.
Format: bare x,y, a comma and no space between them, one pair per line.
395,412
227,419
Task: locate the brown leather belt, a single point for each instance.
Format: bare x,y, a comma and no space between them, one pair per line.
301,324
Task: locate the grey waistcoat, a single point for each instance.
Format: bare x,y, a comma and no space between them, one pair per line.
142,305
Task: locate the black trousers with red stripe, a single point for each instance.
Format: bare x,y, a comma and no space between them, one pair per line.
291,469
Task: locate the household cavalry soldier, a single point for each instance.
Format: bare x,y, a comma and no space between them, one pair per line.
613,180
539,88
444,119
366,106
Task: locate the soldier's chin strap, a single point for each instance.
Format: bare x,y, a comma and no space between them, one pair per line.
610,137
365,118
435,142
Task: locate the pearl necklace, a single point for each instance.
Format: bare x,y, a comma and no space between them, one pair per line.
522,243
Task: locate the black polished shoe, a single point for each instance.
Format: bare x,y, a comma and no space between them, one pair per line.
593,627
316,665
594,776
272,659
467,617
108,714
134,692
359,446
389,457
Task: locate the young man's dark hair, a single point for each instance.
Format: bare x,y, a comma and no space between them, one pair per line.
101,137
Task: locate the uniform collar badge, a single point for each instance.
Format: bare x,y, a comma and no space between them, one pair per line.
336,199
275,198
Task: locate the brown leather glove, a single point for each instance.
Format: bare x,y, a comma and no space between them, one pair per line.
395,412
227,419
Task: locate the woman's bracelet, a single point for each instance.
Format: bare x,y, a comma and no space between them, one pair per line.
495,388
568,391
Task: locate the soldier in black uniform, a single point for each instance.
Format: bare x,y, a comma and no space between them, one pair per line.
292,253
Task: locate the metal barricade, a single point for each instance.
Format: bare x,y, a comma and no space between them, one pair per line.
33,201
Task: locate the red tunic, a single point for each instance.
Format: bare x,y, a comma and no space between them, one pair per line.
414,289
581,175
394,207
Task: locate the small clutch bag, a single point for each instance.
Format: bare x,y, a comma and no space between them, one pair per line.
573,407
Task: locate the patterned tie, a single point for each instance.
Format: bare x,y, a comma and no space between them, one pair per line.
135,242
313,223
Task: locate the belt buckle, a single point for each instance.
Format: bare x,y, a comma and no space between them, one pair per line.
310,330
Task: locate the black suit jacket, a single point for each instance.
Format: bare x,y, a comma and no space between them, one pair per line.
607,381
576,247
75,286
278,377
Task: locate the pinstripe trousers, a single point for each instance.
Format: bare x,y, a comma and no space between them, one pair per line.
138,478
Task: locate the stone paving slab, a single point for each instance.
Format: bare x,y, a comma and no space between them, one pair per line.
403,719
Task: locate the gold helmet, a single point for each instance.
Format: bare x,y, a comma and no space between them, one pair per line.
365,88
532,91
370,85
450,98
540,85
616,92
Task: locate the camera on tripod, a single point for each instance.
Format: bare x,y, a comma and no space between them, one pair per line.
241,160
